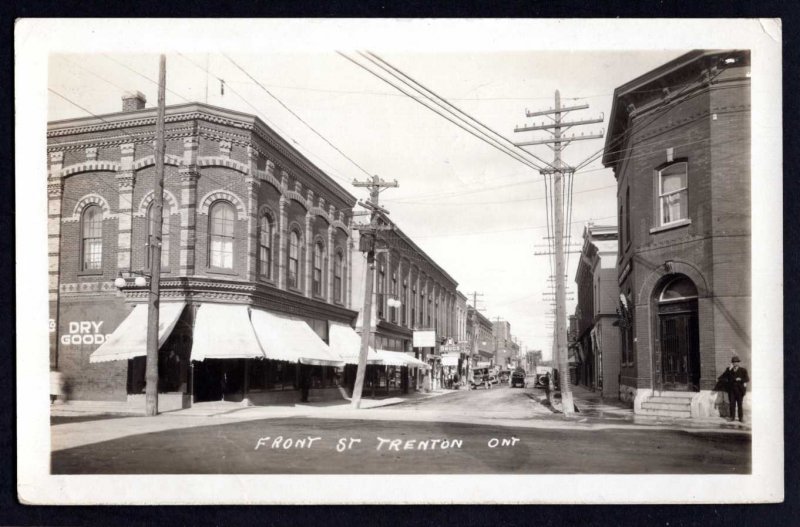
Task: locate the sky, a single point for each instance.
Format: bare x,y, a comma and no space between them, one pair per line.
477,212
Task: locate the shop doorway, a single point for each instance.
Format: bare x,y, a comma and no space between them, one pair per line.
679,336
218,380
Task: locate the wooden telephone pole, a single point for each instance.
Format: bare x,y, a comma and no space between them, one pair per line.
151,377
559,141
367,244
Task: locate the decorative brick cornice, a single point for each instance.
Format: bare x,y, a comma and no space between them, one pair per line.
146,161
210,161
215,195
169,201
90,166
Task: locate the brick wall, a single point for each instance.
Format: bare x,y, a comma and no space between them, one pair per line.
710,131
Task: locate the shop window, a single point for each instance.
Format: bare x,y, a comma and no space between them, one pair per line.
164,236
294,260
317,277
92,238
338,272
265,234
221,235
673,196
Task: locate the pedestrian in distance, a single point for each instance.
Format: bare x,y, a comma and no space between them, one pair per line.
305,383
547,386
735,379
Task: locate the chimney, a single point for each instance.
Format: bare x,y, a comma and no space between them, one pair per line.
133,101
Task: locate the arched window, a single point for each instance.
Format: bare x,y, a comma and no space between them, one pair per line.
164,236
317,278
222,219
338,272
92,238
679,288
294,259
265,247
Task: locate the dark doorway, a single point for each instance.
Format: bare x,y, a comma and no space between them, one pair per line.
678,333
218,379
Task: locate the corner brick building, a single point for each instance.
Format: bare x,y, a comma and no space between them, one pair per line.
679,145
252,230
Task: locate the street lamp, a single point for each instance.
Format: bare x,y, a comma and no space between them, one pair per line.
139,281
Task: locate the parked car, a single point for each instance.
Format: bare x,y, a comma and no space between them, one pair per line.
518,378
504,376
480,377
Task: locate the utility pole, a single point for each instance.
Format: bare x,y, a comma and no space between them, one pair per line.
556,128
151,377
367,242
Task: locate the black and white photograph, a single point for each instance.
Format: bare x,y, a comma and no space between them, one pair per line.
399,261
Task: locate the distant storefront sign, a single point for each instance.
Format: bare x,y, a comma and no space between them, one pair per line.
424,339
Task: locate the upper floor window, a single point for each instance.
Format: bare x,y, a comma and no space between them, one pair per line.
294,259
317,278
627,216
673,196
164,236
265,234
338,272
92,238
222,219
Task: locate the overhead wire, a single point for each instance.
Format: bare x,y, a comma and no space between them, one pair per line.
439,99
474,131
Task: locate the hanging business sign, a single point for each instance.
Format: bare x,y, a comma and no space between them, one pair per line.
424,339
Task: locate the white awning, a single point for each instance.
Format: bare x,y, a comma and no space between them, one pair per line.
345,342
129,340
224,331
291,339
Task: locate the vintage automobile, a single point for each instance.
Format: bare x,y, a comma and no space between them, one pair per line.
518,378
482,377
504,376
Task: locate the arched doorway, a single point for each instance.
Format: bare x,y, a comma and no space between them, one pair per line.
678,334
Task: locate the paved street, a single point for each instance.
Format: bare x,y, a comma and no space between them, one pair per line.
502,430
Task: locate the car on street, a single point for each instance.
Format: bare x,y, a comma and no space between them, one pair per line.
483,377
504,376
518,378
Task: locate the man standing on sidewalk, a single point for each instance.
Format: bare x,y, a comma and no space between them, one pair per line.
736,379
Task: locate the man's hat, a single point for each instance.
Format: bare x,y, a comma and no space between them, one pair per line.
735,359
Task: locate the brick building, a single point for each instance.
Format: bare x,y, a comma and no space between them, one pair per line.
256,257
427,301
679,145
597,338
481,334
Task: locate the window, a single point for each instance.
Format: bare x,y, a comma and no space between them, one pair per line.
294,259
627,216
393,294
265,247
381,288
338,272
92,238
414,301
220,234
672,193
317,278
164,236
404,308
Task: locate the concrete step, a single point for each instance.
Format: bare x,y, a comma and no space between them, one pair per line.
665,413
674,395
666,405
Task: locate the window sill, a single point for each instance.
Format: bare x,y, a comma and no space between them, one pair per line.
218,270
92,272
668,227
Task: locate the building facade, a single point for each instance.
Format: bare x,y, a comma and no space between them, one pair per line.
427,298
255,239
597,333
482,335
679,145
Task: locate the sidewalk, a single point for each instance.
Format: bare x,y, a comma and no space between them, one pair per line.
592,406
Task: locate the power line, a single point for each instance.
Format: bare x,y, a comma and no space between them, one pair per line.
439,99
297,116
477,134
